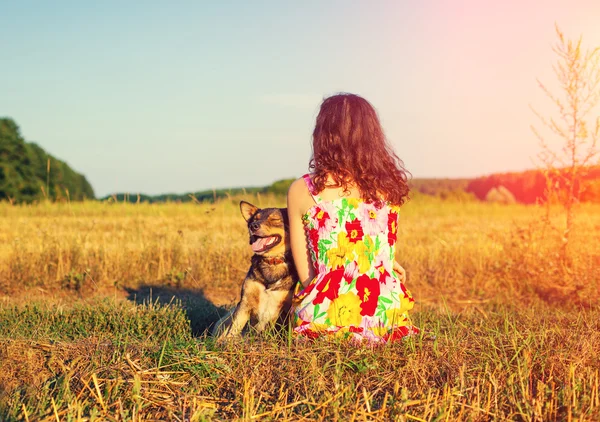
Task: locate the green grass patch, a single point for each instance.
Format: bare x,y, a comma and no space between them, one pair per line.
491,362
120,322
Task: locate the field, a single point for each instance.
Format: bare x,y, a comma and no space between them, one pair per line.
104,307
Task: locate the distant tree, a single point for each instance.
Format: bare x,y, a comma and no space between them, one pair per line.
28,173
17,176
500,195
280,187
565,167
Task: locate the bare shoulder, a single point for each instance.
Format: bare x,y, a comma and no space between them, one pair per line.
298,187
298,196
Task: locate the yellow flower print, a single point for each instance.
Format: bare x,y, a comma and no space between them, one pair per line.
364,252
406,304
345,310
380,331
353,202
342,253
318,326
396,317
395,208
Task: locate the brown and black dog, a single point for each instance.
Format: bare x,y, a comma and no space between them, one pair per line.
268,287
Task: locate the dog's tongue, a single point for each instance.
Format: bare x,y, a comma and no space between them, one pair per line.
260,244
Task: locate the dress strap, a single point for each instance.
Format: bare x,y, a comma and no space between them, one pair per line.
311,188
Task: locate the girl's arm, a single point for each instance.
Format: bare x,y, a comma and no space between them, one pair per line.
400,271
296,206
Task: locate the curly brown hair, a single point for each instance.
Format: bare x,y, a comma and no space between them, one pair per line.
350,147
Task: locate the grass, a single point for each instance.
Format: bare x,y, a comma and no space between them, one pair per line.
104,307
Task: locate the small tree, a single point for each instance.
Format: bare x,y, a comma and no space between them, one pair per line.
578,75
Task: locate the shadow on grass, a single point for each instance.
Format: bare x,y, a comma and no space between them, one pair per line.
202,313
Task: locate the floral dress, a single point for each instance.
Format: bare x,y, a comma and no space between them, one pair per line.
356,293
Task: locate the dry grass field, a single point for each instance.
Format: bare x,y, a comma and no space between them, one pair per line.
104,307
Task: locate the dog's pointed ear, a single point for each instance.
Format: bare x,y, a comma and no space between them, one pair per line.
247,209
286,219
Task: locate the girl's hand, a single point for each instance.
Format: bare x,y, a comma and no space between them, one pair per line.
400,271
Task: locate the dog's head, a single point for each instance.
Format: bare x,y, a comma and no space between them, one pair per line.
268,229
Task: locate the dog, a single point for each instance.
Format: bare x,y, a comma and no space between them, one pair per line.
268,287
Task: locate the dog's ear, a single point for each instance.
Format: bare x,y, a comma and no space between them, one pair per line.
284,214
247,209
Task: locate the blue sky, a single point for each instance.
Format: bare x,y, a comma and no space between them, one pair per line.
157,97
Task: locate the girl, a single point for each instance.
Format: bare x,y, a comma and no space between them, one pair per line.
343,229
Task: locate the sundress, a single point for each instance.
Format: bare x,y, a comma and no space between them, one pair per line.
355,294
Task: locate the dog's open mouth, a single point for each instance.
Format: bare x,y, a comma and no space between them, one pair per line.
261,244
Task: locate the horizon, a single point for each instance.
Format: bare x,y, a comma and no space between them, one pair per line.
184,98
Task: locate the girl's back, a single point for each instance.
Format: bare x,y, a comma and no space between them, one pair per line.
343,228
355,291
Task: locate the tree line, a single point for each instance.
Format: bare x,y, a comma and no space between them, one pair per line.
535,186
28,173
279,187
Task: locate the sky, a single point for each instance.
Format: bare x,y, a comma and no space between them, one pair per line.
154,97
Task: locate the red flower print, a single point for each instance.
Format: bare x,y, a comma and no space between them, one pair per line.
406,295
383,274
354,230
368,292
397,334
392,227
322,216
305,292
310,334
313,237
329,286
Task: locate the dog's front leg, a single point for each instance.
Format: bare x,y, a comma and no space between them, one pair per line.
244,309
263,323
239,319
271,304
